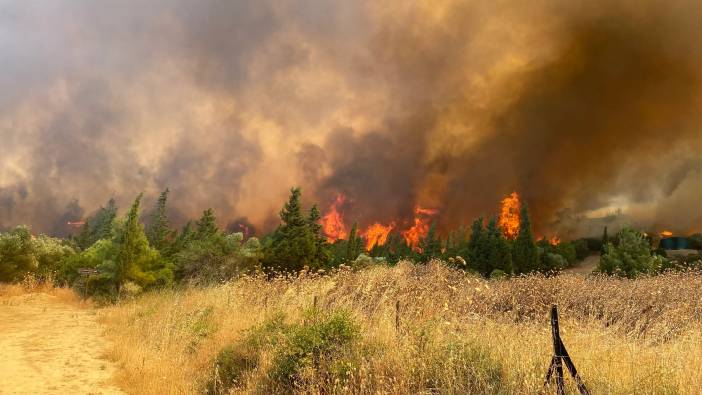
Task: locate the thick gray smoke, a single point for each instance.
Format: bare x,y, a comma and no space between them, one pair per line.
581,108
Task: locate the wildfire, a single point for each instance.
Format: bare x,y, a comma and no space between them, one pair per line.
420,228
554,241
509,216
75,223
666,233
333,221
377,234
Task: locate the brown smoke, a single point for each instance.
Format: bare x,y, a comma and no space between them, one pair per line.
446,104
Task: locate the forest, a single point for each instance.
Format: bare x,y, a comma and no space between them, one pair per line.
133,253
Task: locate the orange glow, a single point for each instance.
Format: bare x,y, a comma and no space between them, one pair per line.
420,228
425,211
666,233
333,221
377,234
509,216
554,241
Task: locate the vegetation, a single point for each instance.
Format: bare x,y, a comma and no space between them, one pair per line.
458,333
631,257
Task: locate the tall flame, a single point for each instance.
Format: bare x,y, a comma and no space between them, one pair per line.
333,221
420,228
509,216
377,234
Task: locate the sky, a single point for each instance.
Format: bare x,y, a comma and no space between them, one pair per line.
581,107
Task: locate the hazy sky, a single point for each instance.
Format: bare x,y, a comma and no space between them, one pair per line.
585,106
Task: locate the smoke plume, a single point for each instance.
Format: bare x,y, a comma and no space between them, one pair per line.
581,107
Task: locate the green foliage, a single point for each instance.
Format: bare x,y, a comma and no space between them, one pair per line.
581,249
16,254
158,232
51,254
293,246
323,344
631,257
605,242
524,252
98,227
217,258
568,251
487,249
323,257
206,226
127,257
354,245
430,246
695,241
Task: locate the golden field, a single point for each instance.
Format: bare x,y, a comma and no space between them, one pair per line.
625,336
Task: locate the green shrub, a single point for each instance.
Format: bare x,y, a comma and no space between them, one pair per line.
581,249
323,343
319,349
631,257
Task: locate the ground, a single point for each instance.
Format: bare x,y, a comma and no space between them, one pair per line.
586,266
51,346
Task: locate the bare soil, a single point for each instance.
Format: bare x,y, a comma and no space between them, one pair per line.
49,346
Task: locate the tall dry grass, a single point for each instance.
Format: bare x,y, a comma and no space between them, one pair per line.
625,336
32,285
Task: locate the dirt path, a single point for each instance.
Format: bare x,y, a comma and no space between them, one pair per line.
586,266
51,347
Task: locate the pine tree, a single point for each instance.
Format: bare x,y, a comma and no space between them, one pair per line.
159,232
525,254
476,246
206,226
493,256
99,226
605,241
430,245
134,259
292,246
324,254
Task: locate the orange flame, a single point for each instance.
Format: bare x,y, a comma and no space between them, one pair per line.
333,221
666,233
554,241
420,228
377,234
75,223
509,216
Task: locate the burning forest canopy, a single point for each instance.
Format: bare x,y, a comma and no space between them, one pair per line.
392,114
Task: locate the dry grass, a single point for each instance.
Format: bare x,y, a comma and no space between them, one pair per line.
31,285
625,336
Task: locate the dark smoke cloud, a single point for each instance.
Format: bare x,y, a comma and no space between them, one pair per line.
581,107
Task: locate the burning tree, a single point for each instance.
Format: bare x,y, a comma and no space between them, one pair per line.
509,216
524,252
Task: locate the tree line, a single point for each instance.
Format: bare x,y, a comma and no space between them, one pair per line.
129,256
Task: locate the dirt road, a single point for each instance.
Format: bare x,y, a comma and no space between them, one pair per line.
51,347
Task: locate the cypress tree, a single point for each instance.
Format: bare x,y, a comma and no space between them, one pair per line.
525,254
159,232
131,246
99,226
605,241
324,254
430,245
476,246
292,245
